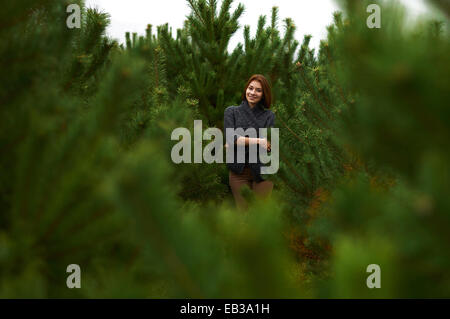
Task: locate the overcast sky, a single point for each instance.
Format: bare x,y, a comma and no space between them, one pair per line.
310,16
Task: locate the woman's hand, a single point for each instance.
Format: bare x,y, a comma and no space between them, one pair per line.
264,143
253,140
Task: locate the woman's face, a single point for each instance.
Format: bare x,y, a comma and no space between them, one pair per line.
254,93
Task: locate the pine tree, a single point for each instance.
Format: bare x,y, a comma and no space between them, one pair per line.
393,209
200,52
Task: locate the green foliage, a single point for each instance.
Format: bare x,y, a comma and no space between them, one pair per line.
87,178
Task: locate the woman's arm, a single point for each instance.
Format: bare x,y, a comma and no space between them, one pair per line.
254,140
229,122
243,140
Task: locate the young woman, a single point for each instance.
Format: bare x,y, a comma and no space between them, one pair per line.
254,111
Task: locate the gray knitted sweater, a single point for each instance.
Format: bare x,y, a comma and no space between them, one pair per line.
245,117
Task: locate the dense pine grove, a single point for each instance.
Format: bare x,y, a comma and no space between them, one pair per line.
86,175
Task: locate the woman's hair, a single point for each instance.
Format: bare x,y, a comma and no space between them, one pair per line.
267,91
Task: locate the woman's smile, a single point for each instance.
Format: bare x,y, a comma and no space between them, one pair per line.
254,93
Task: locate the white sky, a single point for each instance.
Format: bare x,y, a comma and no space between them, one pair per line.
310,16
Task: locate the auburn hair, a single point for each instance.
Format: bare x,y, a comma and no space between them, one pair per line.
267,91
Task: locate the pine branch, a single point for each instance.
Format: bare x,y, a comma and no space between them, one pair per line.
291,131
310,110
305,80
193,6
300,179
341,92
